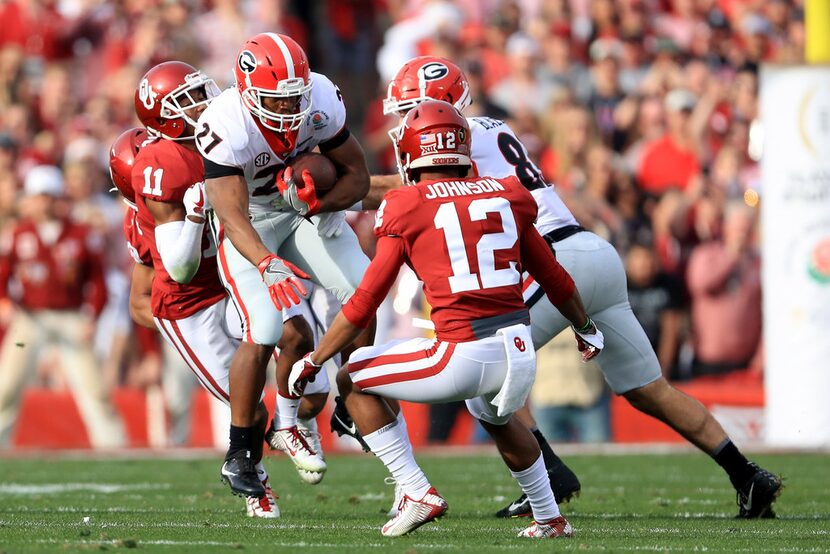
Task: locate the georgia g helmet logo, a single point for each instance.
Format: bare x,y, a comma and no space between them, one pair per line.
247,61
146,94
433,71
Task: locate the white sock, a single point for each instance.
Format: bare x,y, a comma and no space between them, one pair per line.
535,483
395,451
287,409
402,425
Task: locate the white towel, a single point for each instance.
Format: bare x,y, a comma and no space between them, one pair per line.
521,369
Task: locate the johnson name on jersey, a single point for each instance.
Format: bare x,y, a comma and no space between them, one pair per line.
229,137
498,153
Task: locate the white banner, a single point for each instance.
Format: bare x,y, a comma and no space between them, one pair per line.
795,218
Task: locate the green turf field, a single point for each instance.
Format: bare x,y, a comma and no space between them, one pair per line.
676,502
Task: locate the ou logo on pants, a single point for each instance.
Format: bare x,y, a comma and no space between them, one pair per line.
520,344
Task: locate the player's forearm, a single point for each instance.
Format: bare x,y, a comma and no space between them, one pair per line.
379,185
341,334
353,177
243,236
229,198
573,310
350,188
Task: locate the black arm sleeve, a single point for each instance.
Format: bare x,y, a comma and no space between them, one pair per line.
335,141
214,170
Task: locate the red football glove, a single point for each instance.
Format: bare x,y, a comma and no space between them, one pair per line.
303,372
281,277
301,197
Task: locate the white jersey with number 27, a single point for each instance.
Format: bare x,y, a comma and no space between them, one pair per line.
227,135
498,153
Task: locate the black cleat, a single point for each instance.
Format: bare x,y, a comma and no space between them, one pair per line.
343,424
755,498
239,472
564,483
518,508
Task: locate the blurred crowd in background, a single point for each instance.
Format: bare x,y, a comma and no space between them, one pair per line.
643,113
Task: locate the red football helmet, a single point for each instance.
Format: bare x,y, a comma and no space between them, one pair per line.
122,157
424,78
165,92
432,134
274,66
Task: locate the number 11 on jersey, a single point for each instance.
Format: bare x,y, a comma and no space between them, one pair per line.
462,279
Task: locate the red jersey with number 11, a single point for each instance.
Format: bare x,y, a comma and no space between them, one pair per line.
468,240
163,171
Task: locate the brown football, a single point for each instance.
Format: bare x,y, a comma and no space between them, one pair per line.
322,171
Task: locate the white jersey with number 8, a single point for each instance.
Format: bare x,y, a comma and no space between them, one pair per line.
498,153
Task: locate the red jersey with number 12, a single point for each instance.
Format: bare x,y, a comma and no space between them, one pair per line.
163,171
468,241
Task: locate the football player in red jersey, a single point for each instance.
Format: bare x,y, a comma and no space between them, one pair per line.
628,362
188,299
123,154
175,383
122,158
468,239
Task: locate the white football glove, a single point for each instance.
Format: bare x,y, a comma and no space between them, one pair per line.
303,371
195,200
330,224
590,342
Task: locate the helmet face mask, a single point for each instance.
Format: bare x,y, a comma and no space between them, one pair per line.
273,79
168,99
257,101
426,78
197,91
433,135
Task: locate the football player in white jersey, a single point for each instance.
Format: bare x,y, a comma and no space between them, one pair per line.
628,361
271,227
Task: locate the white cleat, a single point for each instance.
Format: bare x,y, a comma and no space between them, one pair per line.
308,429
553,529
305,459
396,505
265,507
414,513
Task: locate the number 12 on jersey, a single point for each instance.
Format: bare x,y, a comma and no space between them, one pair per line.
487,276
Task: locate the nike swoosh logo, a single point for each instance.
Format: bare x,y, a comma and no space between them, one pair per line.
515,505
305,141
291,451
350,428
748,504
